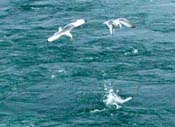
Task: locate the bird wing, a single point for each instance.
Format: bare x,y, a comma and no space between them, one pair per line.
126,23
110,26
68,27
78,22
121,101
72,25
111,29
68,34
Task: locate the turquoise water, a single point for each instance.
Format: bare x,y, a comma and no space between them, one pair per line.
62,84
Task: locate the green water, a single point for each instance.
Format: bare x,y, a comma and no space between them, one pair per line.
61,84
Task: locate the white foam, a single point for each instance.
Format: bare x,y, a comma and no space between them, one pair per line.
53,76
61,70
135,51
97,110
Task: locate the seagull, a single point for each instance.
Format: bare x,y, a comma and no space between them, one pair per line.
113,98
66,30
118,23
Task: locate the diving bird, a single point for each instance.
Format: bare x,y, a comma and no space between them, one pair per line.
118,23
113,98
66,30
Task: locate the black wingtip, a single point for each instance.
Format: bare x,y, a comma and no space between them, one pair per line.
133,26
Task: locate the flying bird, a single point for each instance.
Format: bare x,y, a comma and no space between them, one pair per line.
66,30
118,23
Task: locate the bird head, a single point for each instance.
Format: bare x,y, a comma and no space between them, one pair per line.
81,21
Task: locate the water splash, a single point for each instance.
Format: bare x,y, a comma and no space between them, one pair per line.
53,76
135,51
112,99
132,52
61,71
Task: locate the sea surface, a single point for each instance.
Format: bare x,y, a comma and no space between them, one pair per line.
70,83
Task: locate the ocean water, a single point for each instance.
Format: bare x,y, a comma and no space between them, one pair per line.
63,84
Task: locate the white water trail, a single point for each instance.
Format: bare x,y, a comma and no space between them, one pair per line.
98,110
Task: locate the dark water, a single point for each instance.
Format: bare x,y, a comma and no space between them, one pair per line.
61,84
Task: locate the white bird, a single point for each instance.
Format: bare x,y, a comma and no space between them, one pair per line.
113,98
118,23
66,30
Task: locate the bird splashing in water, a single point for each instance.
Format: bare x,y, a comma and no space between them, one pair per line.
112,98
